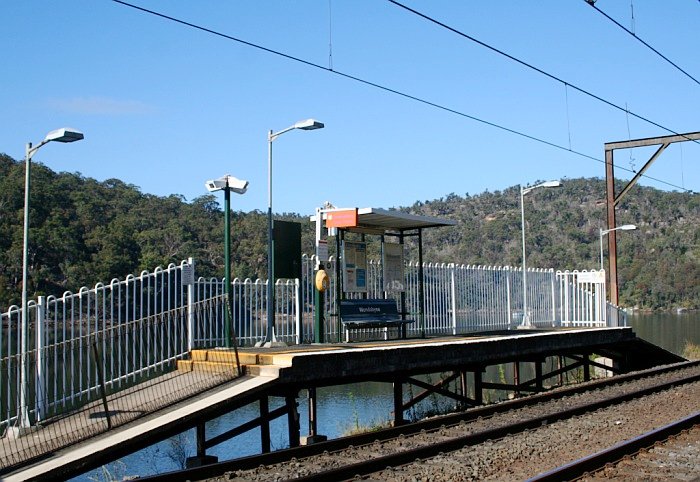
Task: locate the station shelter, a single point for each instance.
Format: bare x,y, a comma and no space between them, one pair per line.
394,228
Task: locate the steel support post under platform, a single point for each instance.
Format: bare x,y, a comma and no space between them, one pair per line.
313,436
292,420
263,422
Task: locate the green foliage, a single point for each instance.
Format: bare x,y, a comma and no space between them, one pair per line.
84,231
658,264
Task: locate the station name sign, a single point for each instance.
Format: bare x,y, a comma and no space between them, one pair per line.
342,218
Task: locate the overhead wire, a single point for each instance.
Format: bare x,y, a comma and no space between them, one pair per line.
384,88
643,42
532,67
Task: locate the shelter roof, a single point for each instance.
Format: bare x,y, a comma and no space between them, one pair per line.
379,221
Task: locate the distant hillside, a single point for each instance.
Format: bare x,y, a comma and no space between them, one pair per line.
84,231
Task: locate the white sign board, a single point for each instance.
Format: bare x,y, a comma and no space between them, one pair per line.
354,267
393,267
591,277
187,275
322,250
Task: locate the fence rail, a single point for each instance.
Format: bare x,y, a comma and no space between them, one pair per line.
100,341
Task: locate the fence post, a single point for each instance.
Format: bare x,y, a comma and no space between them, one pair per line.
39,390
554,297
190,306
453,292
297,311
509,314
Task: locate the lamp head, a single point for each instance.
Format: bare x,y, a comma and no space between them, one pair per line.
309,125
551,184
64,134
627,227
232,183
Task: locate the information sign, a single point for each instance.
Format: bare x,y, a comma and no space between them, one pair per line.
322,250
392,263
354,267
590,277
187,275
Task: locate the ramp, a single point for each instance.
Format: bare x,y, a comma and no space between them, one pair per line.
141,432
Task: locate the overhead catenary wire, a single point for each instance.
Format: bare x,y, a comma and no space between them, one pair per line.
532,67
643,42
385,88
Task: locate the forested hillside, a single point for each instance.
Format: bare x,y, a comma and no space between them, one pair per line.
84,231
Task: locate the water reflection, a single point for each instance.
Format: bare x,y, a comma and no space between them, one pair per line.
669,331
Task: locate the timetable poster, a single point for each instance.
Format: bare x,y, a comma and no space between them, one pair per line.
354,267
393,267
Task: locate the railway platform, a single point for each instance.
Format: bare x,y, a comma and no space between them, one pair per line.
538,360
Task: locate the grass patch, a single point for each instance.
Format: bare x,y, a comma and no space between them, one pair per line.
691,351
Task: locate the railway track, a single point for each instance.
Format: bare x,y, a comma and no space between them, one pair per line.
598,461
348,457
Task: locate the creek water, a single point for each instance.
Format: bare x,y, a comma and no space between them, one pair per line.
346,408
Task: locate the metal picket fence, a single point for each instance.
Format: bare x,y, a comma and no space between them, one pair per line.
96,345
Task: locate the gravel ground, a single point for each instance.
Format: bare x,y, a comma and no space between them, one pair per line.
519,456
677,459
525,455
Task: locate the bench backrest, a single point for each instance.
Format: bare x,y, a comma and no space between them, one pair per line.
362,309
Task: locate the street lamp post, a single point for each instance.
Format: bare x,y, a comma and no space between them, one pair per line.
227,184
64,134
305,125
523,191
603,232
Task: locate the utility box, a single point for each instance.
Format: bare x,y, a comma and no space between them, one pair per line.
287,249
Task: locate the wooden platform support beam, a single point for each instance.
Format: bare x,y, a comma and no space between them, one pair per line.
292,420
201,439
264,424
313,423
479,386
398,403
463,385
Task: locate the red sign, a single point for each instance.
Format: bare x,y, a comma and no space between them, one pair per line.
347,218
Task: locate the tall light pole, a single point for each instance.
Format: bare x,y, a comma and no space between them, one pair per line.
227,184
305,125
64,134
603,232
523,191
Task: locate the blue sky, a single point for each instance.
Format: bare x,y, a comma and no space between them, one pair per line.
166,107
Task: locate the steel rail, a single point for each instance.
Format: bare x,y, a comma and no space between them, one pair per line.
348,472
284,455
597,461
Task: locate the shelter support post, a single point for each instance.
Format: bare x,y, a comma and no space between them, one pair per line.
319,304
338,285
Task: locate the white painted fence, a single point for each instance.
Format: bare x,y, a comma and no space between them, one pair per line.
131,330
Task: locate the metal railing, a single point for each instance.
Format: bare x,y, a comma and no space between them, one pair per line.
111,337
